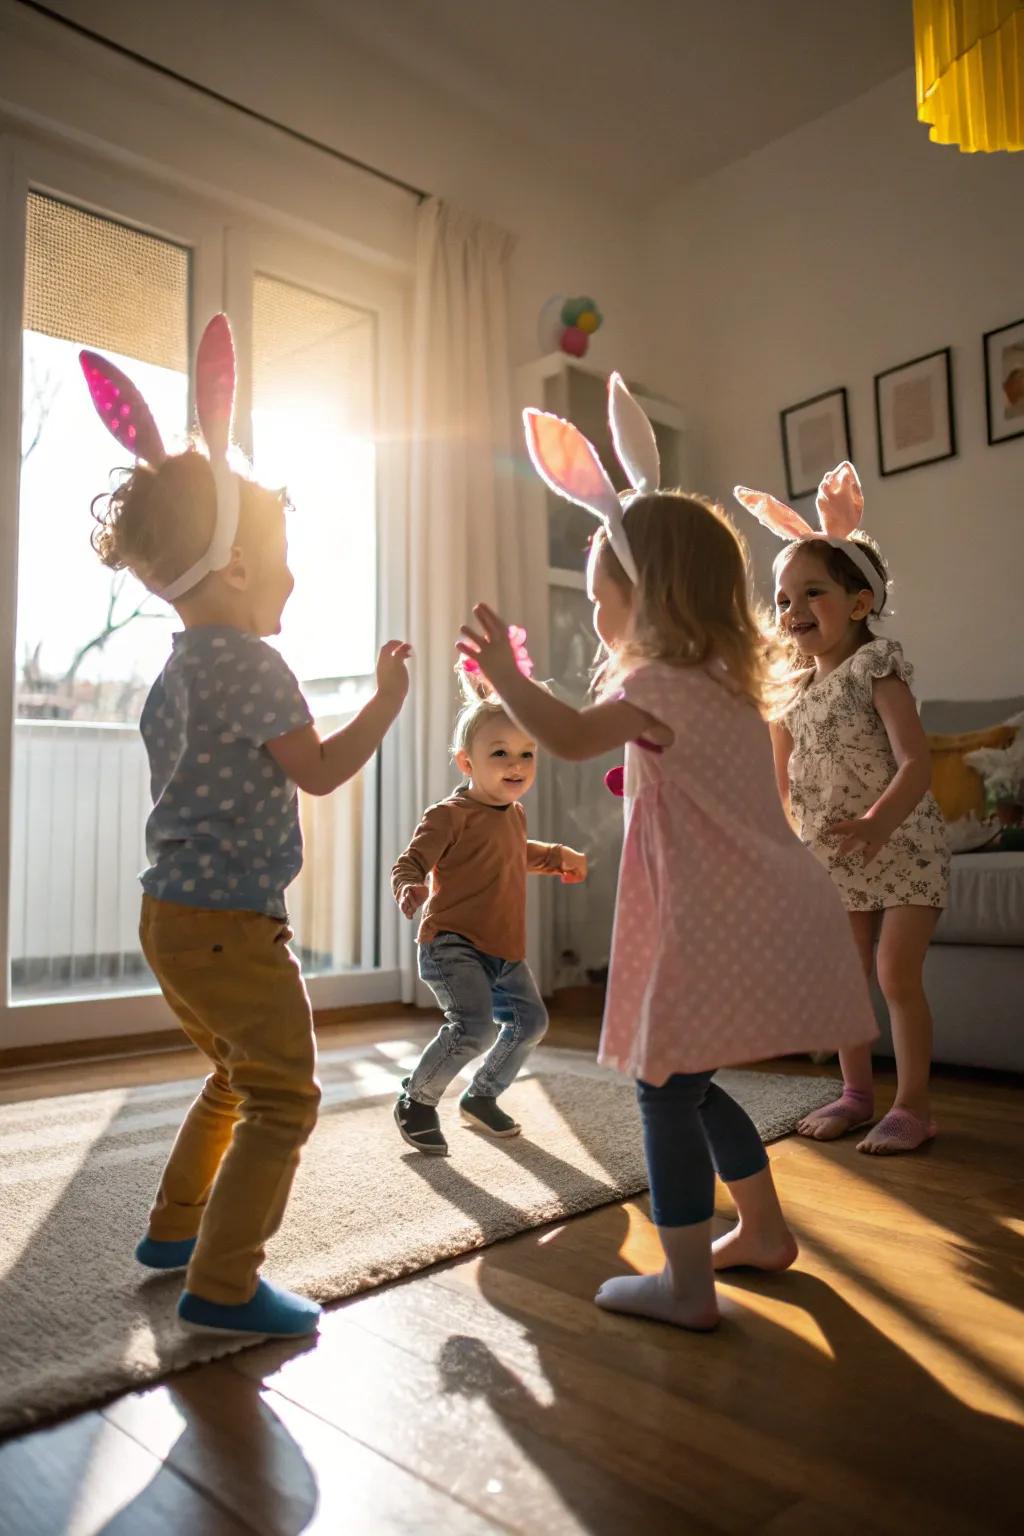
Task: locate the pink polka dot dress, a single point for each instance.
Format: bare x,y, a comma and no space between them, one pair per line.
730,942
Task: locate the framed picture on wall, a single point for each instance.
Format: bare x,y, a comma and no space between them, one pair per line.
914,413
815,438
1004,381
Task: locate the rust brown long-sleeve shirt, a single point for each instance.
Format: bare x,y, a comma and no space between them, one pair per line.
475,858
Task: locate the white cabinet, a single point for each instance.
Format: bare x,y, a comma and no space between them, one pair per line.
570,926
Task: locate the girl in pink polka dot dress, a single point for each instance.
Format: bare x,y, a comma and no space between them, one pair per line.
730,943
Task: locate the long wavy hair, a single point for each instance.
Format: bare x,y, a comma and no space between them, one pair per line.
692,604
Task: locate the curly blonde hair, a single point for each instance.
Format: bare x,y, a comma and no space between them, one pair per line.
159,521
692,602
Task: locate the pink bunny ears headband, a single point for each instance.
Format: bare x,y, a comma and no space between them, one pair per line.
128,419
568,463
840,504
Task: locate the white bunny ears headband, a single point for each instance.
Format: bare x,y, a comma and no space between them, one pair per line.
128,419
840,504
569,463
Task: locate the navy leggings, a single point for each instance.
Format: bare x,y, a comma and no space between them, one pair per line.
693,1130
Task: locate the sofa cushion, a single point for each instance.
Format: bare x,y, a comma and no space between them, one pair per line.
986,900
958,788
953,716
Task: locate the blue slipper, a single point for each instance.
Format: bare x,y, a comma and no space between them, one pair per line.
272,1311
157,1255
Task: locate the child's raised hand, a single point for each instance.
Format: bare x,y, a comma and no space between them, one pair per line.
574,867
392,669
489,646
859,835
411,898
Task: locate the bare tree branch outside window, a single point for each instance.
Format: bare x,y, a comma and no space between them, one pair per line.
48,695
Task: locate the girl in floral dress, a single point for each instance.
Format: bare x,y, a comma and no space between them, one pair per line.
852,763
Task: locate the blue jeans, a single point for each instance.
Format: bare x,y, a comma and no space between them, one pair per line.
476,992
693,1130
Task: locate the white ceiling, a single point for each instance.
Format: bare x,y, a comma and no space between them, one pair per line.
638,96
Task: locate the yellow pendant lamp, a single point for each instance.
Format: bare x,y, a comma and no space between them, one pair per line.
970,72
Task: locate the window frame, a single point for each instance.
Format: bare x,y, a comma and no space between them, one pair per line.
226,250
328,268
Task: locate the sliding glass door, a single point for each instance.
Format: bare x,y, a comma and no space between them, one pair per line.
88,640
135,274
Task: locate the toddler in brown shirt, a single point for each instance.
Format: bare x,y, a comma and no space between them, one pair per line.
468,861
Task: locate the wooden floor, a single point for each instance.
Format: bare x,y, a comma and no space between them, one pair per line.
875,1388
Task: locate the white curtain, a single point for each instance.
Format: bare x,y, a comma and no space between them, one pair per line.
463,544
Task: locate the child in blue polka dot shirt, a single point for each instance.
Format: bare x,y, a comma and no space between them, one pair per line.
224,831
229,737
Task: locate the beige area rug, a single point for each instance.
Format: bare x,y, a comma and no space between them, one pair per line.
80,1321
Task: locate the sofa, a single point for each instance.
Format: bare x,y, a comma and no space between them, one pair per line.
974,971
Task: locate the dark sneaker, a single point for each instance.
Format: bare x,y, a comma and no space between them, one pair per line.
420,1124
483,1114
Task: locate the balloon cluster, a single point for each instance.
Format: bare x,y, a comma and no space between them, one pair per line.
568,324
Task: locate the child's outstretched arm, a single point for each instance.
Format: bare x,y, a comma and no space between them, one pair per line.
410,877
318,766
869,833
556,859
782,751
574,734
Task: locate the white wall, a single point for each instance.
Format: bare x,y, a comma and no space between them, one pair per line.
282,62
847,247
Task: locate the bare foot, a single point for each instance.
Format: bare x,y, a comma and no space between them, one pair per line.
752,1250
653,1296
901,1130
847,1113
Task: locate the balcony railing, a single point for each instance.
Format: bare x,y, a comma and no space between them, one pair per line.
81,798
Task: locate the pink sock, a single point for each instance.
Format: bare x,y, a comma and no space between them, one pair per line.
855,1103
902,1131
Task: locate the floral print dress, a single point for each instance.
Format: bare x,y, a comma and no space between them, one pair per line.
841,762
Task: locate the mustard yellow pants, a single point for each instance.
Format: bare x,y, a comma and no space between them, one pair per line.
238,991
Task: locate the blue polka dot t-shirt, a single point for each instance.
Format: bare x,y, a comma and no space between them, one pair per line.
224,831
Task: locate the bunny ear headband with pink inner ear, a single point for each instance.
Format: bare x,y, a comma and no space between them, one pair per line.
128,419
840,504
568,463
